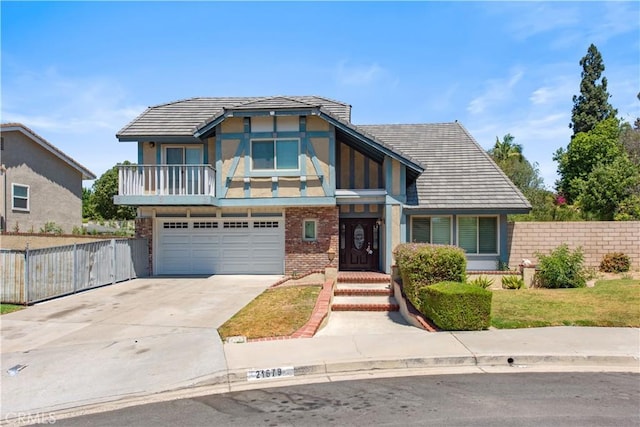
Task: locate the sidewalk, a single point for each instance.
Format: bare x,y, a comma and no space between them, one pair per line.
568,347
406,351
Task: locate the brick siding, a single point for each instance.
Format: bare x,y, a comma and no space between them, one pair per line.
302,256
144,229
596,238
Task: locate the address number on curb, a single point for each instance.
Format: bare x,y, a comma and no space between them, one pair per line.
264,374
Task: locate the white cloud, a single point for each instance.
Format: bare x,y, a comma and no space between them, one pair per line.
79,115
359,75
496,92
52,102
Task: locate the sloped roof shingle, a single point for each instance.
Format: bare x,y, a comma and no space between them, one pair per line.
458,174
182,118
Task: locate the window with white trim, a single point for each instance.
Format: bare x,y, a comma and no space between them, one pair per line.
478,234
310,230
431,229
20,197
275,154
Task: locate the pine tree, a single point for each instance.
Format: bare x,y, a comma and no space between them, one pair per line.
592,105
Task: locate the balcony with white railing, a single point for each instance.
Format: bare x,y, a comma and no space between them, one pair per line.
166,185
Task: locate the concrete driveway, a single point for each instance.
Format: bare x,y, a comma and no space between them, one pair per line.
137,337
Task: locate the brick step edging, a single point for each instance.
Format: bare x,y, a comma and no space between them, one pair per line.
365,307
362,292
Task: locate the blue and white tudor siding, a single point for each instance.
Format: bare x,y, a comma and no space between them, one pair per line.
288,184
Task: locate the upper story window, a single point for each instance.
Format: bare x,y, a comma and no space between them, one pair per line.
275,154
20,197
478,234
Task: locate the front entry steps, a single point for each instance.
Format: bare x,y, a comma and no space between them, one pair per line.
366,291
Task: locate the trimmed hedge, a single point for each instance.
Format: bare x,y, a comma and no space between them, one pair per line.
423,264
455,306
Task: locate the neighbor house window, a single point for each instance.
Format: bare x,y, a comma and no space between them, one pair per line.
20,197
431,229
275,154
310,230
478,234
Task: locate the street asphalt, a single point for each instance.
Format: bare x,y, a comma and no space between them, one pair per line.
155,339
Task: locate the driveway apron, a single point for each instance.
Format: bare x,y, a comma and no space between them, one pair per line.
137,337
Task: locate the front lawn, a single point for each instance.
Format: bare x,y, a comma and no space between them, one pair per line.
8,308
276,312
608,303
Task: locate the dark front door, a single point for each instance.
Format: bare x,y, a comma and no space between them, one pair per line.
359,244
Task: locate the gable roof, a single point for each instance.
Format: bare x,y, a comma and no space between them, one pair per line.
197,117
19,127
184,117
459,173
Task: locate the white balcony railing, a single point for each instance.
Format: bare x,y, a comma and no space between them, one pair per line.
166,180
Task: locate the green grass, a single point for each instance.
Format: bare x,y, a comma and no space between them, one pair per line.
276,312
609,303
8,308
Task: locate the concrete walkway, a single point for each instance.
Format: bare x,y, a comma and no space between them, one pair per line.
155,339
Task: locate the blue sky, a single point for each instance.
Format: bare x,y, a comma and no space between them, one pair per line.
77,72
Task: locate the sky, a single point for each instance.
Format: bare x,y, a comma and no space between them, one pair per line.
78,72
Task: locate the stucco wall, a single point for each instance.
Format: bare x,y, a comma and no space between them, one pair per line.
55,188
596,239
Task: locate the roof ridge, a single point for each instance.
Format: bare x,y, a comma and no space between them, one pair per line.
410,124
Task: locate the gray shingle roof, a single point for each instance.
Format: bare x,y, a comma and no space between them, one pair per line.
459,174
182,118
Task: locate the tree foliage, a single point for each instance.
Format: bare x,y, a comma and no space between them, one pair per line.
607,187
592,105
104,188
585,151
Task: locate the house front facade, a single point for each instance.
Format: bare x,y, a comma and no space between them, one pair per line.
286,185
40,184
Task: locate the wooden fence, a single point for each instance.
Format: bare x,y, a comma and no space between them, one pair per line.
30,276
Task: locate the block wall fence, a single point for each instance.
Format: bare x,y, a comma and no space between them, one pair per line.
596,238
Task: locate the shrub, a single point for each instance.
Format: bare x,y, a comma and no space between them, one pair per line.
615,262
51,227
562,268
512,282
423,264
455,306
482,281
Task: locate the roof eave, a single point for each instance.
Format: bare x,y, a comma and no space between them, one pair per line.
86,173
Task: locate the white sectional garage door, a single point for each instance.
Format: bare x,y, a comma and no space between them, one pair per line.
221,246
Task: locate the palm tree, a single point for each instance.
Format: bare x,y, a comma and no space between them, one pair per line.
506,149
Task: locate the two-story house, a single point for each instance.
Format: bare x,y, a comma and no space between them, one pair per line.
288,184
39,184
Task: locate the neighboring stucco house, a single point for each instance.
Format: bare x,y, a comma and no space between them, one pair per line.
288,184
39,183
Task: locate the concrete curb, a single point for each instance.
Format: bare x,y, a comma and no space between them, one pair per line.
236,380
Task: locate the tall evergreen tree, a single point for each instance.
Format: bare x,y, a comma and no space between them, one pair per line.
592,105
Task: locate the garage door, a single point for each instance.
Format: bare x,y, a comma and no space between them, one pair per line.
219,247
